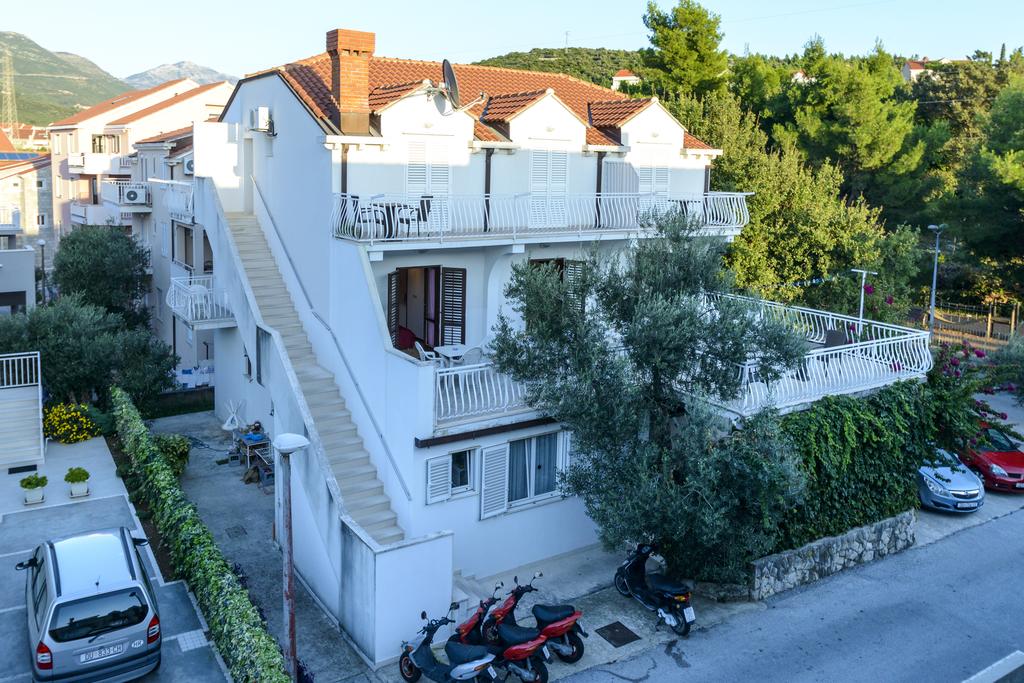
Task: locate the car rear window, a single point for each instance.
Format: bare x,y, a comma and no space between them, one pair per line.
95,615
997,441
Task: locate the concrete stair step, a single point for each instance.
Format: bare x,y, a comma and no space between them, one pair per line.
352,489
374,503
389,535
378,519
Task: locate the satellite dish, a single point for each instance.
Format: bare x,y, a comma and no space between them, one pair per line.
451,85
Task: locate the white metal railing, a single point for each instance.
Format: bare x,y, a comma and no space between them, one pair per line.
19,370
198,300
177,198
857,355
125,162
440,217
10,218
126,193
469,391
76,159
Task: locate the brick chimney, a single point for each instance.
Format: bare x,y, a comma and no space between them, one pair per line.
350,53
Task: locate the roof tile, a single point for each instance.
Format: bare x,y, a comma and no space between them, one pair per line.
114,103
164,104
613,113
502,108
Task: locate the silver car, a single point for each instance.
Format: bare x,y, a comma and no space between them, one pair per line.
948,485
92,613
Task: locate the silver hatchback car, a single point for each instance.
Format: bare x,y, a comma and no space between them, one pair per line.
92,613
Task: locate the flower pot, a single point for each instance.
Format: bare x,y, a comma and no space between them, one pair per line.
80,489
33,496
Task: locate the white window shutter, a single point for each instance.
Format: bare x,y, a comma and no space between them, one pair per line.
439,479
494,481
566,450
661,181
416,171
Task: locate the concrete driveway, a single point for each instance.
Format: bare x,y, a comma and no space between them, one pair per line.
187,653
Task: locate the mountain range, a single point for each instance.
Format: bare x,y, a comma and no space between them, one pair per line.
170,72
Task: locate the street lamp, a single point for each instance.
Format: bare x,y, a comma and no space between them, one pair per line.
937,229
286,444
863,281
42,264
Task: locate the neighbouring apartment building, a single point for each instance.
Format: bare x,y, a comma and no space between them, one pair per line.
361,227
92,151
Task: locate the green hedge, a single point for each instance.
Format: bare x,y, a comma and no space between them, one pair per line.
860,456
251,654
175,448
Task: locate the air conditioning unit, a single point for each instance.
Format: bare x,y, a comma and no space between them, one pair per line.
188,166
259,118
135,195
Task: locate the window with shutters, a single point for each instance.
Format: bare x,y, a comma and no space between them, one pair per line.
494,480
428,181
262,355
426,304
449,475
549,183
522,471
569,271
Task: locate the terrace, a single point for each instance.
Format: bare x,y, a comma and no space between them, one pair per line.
200,302
396,219
847,355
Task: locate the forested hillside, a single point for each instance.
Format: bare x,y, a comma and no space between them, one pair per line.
596,65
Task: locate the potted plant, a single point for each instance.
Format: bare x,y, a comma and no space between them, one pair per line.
78,477
34,485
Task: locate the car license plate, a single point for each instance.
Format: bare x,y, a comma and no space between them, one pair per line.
102,653
689,614
492,673
967,506
1019,485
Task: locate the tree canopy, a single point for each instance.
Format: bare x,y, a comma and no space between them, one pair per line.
685,53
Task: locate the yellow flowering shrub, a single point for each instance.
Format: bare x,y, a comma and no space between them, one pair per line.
69,423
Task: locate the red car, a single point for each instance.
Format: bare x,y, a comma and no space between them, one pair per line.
997,460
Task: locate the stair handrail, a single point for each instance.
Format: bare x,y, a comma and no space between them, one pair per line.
344,359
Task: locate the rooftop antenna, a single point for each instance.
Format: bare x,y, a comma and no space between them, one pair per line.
450,88
9,106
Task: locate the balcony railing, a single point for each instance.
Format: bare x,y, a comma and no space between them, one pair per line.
129,195
177,198
10,219
408,217
848,356
199,302
98,214
473,391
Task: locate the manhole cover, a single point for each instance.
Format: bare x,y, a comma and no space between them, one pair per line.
617,634
236,531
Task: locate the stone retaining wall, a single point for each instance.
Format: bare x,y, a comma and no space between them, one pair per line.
827,556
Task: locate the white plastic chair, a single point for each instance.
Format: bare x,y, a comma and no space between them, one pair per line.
426,355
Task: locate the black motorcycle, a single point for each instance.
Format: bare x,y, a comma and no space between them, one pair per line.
658,593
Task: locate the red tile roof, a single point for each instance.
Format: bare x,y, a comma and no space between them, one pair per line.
164,104
690,142
624,73
507,91
915,65
168,136
5,143
503,108
114,103
614,113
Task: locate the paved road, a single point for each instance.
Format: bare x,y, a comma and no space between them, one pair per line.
936,613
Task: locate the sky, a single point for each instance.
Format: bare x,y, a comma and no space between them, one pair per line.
243,36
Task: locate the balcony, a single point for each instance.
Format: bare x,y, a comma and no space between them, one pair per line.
455,219
83,213
846,356
127,196
200,303
92,163
176,198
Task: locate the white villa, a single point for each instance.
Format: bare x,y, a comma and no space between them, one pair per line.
359,230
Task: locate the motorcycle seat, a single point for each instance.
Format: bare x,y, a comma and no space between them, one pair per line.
517,635
549,614
459,653
660,582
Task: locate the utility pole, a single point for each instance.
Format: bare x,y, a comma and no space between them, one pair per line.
863,281
937,229
566,40
286,444
8,105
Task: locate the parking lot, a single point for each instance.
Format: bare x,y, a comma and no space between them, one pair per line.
187,653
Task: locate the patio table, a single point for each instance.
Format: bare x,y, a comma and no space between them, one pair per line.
451,352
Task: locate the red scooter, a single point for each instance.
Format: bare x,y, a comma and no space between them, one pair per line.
516,650
559,624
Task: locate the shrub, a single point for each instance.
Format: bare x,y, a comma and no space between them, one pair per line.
175,449
104,421
76,475
69,423
34,481
251,654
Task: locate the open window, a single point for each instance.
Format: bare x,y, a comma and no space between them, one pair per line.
426,304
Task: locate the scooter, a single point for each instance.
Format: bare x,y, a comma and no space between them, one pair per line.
669,598
469,632
559,624
467,662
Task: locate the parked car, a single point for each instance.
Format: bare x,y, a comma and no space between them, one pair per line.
92,613
947,485
997,460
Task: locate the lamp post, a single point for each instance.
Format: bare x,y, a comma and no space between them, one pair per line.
286,444
937,229
42,265
863,281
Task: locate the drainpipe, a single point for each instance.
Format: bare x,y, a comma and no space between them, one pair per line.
600,181
344,169
488,153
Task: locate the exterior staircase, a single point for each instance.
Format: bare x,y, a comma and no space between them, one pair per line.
362,492
20,427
